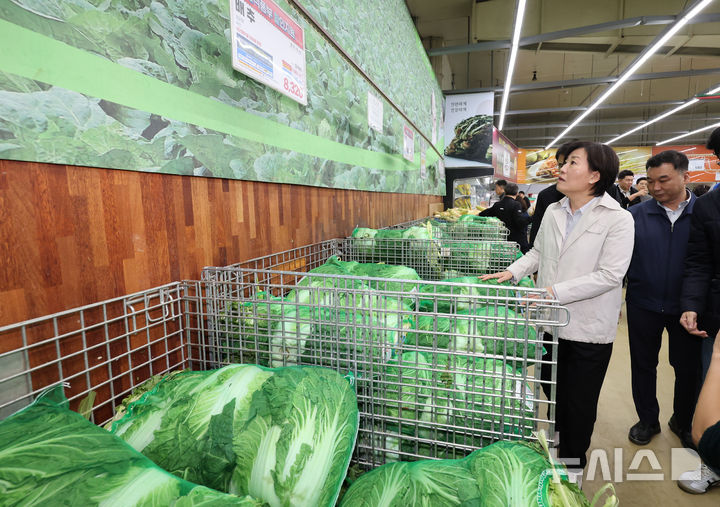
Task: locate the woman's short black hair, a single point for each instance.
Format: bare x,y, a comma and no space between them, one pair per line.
563,152
601,159
641,178
678,160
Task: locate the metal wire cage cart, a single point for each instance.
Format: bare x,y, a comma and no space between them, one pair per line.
460,230
440,368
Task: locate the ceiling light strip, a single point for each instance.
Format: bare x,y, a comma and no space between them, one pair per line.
688,134
511,63
672,30
685,104
656,119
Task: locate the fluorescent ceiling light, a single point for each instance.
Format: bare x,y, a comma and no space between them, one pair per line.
511,63
636,65
688,134
688,149
682,106
656,119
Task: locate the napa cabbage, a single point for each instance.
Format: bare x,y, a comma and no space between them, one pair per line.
445,296
50,455
451,399
494,330
286,434
503,474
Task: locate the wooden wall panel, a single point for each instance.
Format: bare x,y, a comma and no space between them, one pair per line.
71,236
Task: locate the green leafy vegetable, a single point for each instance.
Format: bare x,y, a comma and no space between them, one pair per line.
503,474
52,456
285,434
452,399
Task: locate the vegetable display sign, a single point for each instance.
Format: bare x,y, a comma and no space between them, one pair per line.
269,46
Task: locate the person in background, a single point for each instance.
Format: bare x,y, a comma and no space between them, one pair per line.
700,296
641,185
706,426
547,196
713,144
662,229
624,192
499,191
510,211
521,195
701,190
581,253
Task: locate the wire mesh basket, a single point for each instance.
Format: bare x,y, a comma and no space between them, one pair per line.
109,348
459,230
434,259
440,368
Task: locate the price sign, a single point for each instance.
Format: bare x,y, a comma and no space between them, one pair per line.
375,112
408,143
269,46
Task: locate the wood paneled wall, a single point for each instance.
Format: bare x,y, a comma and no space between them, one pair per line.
71,236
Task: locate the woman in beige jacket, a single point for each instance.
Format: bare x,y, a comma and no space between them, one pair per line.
581,254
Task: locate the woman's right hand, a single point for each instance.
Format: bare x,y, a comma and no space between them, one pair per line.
502,276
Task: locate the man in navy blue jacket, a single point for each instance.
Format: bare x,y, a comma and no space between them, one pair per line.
662,228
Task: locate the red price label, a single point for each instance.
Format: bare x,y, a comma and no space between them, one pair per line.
293,88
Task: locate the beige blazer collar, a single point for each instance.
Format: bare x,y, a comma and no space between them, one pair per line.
587,220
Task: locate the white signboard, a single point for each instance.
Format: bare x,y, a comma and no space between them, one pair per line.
697,164
269,46
408,144
423,160
375,112
468,130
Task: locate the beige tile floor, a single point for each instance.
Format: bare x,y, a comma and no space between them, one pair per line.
616,414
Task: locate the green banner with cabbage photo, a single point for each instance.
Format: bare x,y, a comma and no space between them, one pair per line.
149,86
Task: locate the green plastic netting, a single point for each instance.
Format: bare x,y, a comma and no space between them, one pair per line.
283,435
50,455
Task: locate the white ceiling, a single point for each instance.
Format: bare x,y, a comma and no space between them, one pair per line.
564,64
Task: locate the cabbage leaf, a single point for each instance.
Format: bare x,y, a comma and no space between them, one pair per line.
50,455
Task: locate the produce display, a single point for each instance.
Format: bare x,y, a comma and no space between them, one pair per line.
480,294
453,214
500,475
441,392
319,308
50,455
284,436
432,252
502,334
415,247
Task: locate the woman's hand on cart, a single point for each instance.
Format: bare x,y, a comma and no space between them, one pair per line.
502,276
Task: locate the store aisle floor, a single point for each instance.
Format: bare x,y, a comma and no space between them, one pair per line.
616,414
